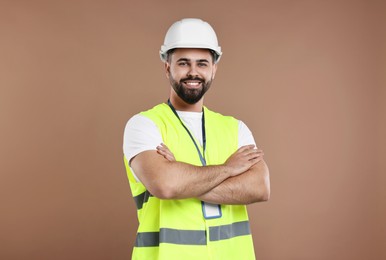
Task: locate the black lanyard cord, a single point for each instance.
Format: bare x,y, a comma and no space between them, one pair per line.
202,156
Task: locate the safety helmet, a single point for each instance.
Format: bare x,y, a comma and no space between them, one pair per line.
190,33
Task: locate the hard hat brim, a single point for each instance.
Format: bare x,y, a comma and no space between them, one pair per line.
164,49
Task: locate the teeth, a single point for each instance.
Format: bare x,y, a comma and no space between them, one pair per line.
192,83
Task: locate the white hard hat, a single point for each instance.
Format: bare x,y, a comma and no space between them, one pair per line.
190,33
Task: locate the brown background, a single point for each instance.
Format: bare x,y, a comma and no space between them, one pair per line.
308,77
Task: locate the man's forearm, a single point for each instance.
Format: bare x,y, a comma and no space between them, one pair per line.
252,186
176,180
168,179
183,180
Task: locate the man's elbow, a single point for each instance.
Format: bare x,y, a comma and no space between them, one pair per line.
266,190
261,195
157,181
265,195
164,191
263,192
166,195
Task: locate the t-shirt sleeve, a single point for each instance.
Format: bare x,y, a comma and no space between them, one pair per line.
141,134
245,135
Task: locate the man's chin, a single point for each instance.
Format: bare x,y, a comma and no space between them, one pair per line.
190,100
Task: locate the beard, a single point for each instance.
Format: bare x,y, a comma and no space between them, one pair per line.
190,96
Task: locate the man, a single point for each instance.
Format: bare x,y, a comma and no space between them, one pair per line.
191,170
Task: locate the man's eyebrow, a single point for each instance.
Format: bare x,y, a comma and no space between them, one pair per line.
186,59
183,59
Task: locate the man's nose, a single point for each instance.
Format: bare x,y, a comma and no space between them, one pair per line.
193,71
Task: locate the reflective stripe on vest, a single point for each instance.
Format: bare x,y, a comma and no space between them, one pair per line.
142,198
192,237
228,231
171,236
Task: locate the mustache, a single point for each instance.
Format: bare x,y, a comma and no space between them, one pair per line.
192,78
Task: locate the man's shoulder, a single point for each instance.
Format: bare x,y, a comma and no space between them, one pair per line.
156,111
159,116
218,115
138,121
147,114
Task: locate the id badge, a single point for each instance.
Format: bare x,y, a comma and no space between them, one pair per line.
211,211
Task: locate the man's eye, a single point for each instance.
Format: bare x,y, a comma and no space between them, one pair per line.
202,64
182,64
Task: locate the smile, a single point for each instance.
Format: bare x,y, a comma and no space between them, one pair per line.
192,84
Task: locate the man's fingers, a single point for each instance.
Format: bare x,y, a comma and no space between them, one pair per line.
246,147
253,153
170,157
255,157
249,149
255,161
164,146
165,152
161,152
166,155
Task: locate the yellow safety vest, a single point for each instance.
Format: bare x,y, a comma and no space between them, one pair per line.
177,229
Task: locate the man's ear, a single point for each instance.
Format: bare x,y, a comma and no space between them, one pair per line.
214,70
167,69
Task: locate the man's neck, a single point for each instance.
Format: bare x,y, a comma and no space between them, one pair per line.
180,105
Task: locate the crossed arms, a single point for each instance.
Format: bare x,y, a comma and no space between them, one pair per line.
242,179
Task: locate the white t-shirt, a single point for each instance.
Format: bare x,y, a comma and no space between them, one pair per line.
141,133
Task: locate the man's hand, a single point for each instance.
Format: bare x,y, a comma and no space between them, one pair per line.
243,159
165,152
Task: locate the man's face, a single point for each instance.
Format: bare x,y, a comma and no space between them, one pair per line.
190,72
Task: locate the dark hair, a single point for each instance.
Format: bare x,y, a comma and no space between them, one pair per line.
212,53
169,54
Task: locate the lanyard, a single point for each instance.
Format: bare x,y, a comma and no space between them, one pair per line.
201,155
210,211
